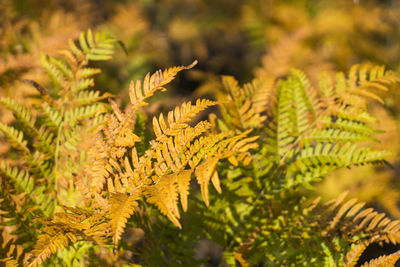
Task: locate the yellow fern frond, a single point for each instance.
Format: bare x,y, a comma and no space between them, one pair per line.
183,181
11,252
139,91
48,244
363,80
164,195
122,206
178,118
204,172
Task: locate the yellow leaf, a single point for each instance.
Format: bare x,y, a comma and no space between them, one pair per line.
233,160
215,182
203,174
183,180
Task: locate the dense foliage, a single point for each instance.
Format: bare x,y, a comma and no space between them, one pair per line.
95,177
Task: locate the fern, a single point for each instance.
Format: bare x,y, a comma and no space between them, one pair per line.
65,229
244,106
308,133
163,172
354,254
42,135
387,260
81,172
122,205
139,91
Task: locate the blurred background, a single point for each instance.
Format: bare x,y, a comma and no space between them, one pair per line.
228,37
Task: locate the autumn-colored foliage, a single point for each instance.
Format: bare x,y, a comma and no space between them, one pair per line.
136,175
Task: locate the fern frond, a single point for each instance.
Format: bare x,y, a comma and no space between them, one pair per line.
21,180
164,195
183,181
86,98
48,244
332,135
97,47
52,116
75,115
22,115
11,253
81,84
296,111
65,228
372,77
15,137
349,125
178,150
139,91
62,68
362,225
243,107
53,71
363,78
354,254
122,206
383,261
313,162
204,173
178,119
87,72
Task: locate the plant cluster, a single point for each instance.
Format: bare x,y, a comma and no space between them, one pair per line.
90,183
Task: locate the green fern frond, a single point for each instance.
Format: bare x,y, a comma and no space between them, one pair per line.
53,71
354,126
61,67
39,165
97,47
15,137
21,180
89,97
22,115
87,72
332,135
52,116
81,84
73,116
45,141
314,162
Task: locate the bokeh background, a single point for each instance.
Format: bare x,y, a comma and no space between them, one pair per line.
242,38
